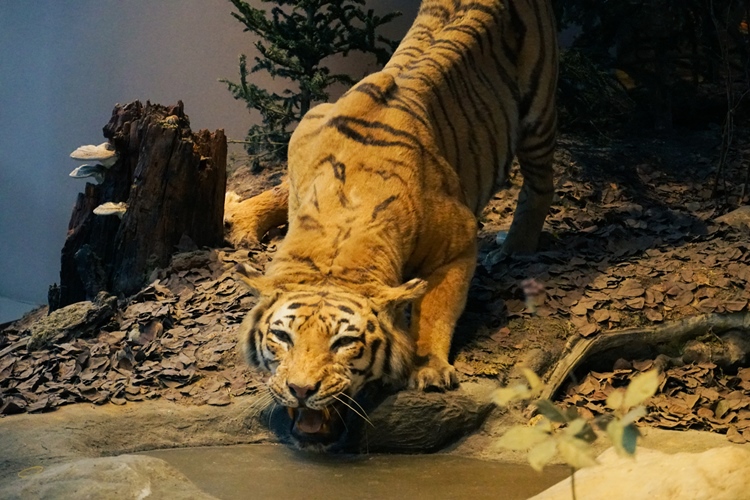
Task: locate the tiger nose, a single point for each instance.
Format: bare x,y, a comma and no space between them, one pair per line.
302,392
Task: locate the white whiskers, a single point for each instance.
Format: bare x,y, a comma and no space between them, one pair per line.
361,415
257,407
341,418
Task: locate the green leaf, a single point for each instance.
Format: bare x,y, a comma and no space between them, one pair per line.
541,454
581,429
633,415
521,437
513,393
615,399
552,412
575,452
624,437
615,431
536,384
630,437
642,387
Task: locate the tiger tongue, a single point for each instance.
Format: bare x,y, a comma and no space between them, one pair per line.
309,421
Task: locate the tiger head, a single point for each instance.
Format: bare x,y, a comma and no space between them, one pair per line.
322,344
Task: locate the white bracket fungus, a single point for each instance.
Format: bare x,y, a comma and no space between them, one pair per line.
103,154
110,208
87,170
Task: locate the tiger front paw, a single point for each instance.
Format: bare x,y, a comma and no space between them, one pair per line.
435,375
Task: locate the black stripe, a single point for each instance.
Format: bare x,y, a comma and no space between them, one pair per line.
387,368
382,206
447,119
359,354
468,30
484,188
300,259
309,223
346,309
339,169
374,346
344,126
251,348
373,91
315,198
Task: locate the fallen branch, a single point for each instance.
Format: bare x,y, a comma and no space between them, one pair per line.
580,349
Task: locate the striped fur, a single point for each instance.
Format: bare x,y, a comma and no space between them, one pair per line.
385,185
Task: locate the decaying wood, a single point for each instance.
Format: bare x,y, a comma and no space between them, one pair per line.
581,349
248,220
173,182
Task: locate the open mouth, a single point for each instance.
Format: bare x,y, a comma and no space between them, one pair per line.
309,425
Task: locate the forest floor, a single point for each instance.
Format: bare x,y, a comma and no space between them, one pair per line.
632,241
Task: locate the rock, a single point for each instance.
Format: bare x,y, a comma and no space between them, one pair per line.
425,422
718,474
738,218
75,320
126,476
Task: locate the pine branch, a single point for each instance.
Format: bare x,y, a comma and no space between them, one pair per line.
295,38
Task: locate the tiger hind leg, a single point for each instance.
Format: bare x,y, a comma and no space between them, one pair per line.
535,156
247,221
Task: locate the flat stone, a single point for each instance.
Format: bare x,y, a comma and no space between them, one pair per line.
126,476
718,474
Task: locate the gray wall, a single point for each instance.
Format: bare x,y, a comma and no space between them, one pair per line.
63,66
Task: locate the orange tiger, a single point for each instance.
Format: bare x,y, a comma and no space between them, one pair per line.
384,189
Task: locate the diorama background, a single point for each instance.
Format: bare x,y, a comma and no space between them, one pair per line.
63,67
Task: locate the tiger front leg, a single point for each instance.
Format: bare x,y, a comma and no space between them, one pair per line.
434,317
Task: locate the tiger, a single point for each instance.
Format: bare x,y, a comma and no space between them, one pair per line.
384,190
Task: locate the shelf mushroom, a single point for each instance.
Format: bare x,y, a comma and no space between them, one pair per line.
111,208
104,155
88,170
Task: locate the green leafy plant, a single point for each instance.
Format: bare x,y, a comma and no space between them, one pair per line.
563,432
294,43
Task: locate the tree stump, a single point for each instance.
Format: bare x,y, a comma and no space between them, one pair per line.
173,182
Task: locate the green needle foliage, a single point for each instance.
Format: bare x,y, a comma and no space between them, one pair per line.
294,42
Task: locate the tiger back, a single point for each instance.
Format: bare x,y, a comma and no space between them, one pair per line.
384,186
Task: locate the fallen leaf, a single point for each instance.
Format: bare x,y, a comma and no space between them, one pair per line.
588,330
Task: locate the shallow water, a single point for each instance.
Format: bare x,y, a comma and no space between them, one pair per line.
273,471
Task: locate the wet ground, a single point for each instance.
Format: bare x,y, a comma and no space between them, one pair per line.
272,471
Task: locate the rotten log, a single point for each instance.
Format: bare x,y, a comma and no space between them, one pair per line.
173,182
656,339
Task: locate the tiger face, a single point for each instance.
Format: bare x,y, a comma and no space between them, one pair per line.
322,345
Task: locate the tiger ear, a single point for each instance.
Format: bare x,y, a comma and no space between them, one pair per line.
254,281
394,296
